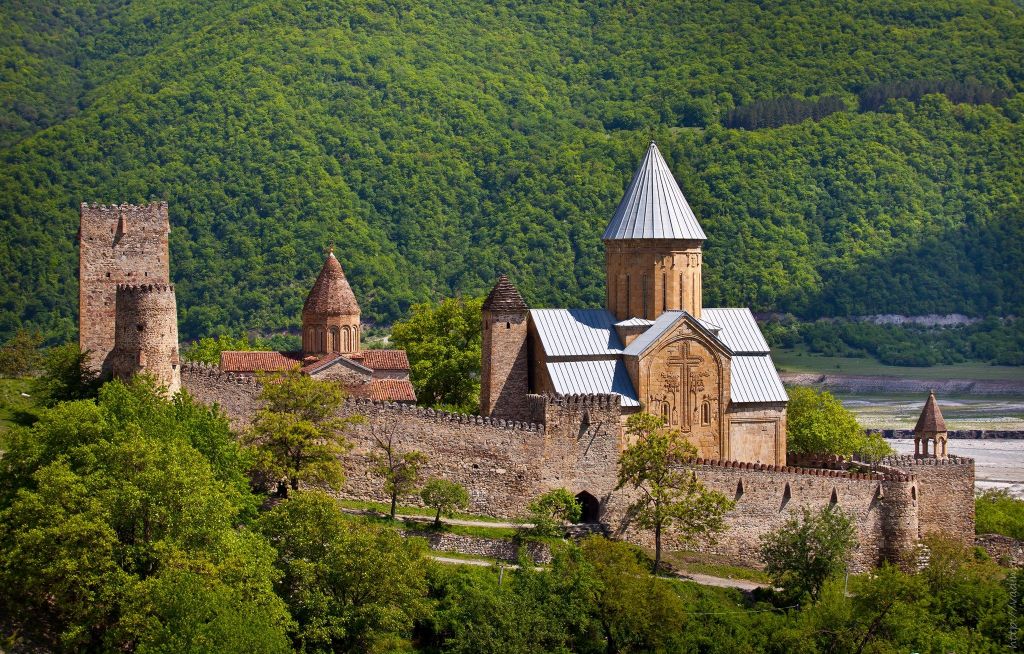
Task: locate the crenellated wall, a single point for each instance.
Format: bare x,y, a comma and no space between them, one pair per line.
573,442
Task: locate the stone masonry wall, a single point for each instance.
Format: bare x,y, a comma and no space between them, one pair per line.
118,244
146,334
945,494
504,374
575,444
767,496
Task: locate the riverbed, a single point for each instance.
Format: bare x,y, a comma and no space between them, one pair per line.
997,463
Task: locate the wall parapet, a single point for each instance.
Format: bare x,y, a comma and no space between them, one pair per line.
201,369
358,403
791,469
145,288
900,460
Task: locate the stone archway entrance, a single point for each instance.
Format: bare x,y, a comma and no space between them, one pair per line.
591,507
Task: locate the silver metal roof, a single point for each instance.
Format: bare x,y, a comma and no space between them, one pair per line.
635,322
653,205
740,332
576,332
585,377
754,379
664,322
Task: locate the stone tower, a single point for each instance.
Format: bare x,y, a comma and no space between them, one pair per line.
146,334
653,247
931,427
330,316
118,244
504,375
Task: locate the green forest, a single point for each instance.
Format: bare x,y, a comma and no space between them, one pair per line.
439,144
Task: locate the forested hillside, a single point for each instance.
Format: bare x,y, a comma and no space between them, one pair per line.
439,144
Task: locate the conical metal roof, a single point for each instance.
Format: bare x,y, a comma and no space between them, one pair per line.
331,295
931,421
654,206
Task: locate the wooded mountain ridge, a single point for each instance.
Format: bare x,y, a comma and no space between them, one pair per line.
437,145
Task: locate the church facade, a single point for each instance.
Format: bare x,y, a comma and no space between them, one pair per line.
706,371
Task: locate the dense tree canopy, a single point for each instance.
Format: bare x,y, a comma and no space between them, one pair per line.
440,144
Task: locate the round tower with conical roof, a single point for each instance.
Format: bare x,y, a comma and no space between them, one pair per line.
330,316
653,246
504,373
931,427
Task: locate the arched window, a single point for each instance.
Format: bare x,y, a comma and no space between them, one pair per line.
664,292
335,339
323,340
665,412
348,339
646,294
705,413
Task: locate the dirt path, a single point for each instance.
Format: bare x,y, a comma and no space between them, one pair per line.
448,521
704,580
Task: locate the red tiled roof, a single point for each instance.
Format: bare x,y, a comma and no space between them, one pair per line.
258,361
331,295
382,359
385,390
931,420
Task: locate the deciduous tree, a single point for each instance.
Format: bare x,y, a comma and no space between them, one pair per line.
298,435
399,468
805,552
445,496
443,344
817,423
551,511
669,495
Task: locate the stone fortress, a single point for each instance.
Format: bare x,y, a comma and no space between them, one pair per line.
557,385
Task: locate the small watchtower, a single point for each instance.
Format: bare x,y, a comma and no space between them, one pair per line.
146,334
504,373
931,427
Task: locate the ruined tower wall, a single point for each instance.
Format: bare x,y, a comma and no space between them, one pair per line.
766,496
118,244
146,334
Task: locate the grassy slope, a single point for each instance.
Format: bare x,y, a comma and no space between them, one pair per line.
14,409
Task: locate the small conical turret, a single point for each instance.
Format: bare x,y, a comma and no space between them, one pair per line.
504,297
930,427
504,376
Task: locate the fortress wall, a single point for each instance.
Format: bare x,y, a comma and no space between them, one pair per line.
236,395
945,494
879,507
505,464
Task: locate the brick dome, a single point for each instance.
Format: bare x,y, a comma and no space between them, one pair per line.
331,295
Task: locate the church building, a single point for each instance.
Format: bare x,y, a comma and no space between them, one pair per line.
706,371
331,347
